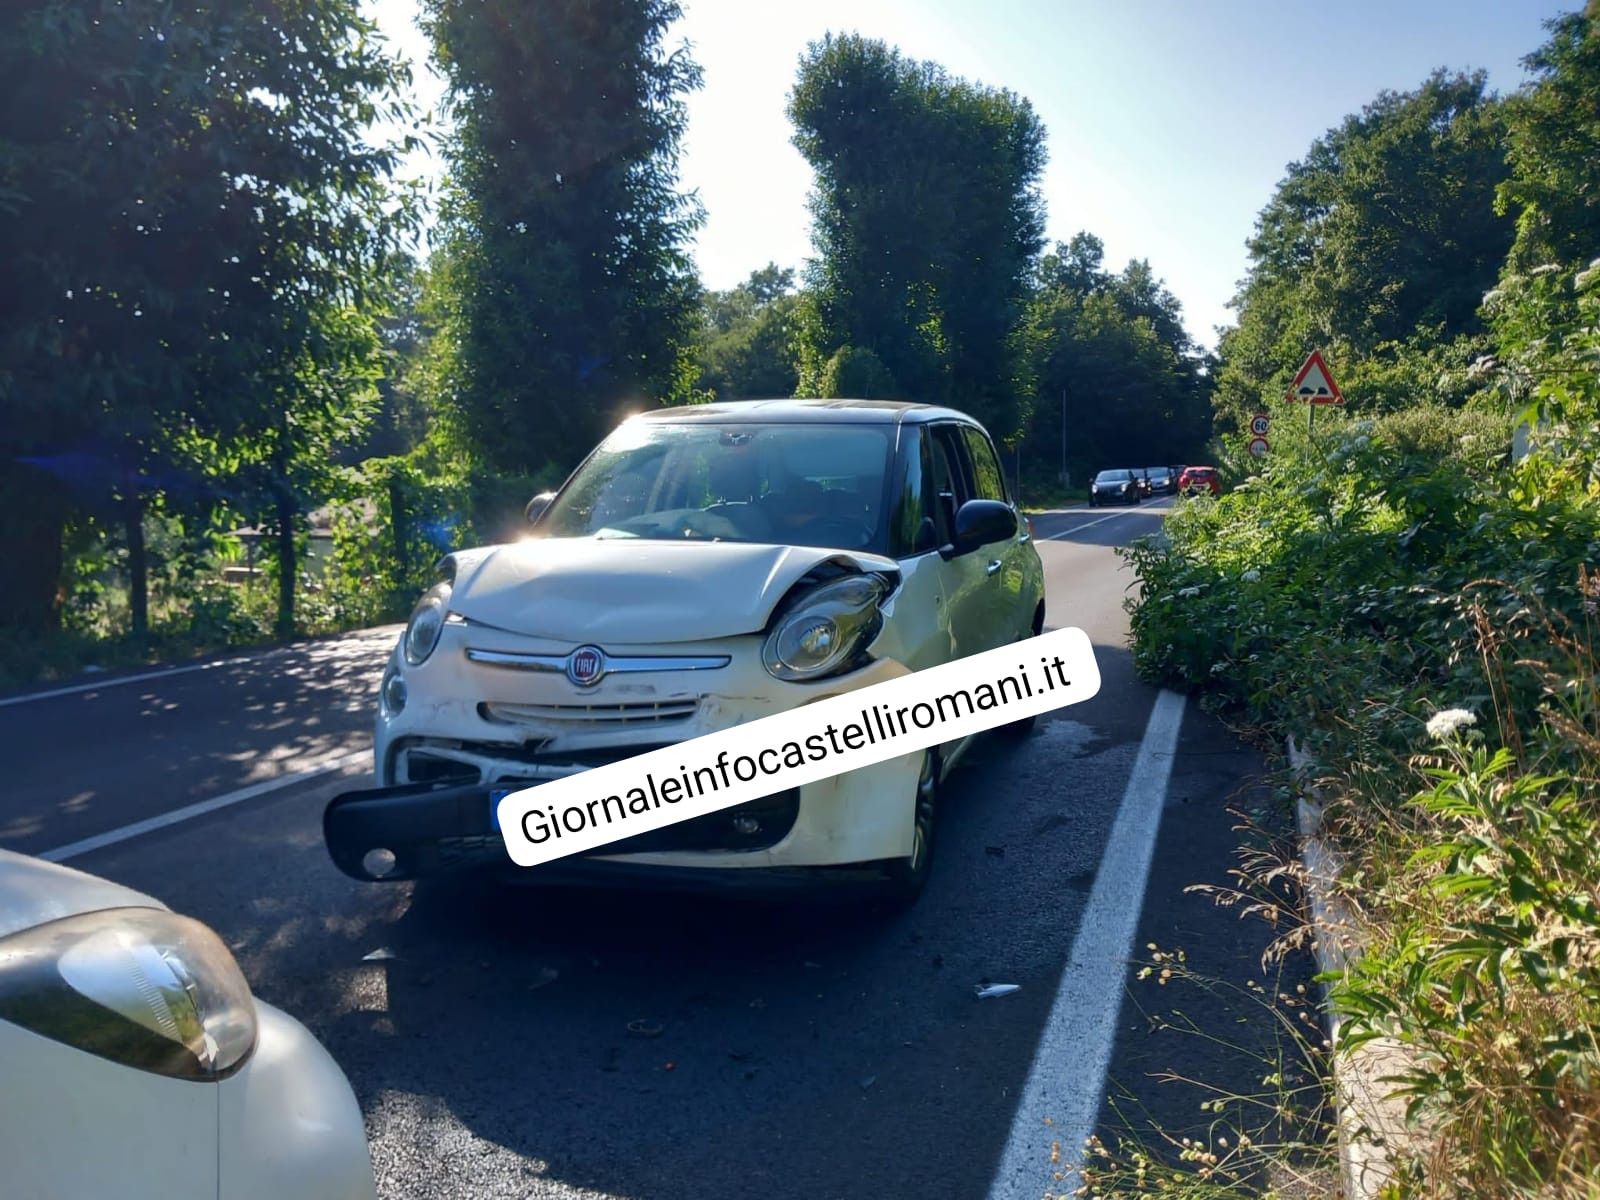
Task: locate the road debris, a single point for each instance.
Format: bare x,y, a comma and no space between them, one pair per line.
645,1029
546,976
382,954
996,989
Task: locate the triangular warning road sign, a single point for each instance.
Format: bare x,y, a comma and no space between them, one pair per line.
1314,383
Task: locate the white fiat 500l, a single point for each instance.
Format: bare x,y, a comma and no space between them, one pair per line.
134,1061
703,568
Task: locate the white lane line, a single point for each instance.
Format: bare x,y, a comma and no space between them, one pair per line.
163,673
1130,512
151,824
1067,1080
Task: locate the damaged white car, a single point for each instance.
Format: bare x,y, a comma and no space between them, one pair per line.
703,568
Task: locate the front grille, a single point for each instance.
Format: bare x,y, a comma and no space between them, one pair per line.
422,767
429,759
577,716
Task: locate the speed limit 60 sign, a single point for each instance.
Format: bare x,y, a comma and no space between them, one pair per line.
1259,424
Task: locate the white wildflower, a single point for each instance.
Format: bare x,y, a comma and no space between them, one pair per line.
1544,269
1448,722
1585,279
1188,591
1251,576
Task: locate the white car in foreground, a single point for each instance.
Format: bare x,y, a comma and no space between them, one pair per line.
703,568
134,1063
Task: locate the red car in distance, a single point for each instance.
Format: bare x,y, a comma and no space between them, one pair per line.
1199,479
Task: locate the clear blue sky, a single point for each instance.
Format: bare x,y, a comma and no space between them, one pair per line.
1169,121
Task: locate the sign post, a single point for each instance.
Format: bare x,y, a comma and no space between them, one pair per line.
1313,384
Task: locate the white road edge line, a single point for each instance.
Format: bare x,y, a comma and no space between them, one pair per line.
165,673
1067,1080
250,792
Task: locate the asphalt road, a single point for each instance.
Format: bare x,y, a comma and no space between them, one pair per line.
808,1049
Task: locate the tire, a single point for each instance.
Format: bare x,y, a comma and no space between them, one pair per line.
906,878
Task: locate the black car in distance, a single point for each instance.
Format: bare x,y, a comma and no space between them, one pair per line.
1162,481
1118,485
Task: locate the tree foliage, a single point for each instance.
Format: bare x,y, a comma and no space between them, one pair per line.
1384,237
570,293
1116,377
195,230
927,223
749,346
1554,148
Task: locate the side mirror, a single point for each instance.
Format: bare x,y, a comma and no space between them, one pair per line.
538,504
980,522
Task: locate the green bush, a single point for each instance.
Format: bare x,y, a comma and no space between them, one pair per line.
1402,581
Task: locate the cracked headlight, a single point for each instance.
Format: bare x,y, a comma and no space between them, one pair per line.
824,631
139,986
426,624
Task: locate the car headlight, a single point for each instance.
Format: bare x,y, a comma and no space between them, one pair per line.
139,986
392,692
825,629
426,624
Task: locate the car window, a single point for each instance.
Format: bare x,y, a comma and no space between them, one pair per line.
916,522
1112,477
801,484
988,481
950,485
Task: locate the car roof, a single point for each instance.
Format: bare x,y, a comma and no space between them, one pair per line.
829,412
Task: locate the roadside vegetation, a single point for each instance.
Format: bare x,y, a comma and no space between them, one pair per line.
1411,593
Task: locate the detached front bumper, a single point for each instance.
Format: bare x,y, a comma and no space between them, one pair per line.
438,828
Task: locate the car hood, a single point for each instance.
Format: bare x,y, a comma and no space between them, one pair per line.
33,891
634,590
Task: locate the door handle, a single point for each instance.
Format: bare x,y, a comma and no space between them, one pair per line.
994,565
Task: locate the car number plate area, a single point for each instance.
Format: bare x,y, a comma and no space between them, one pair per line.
499,794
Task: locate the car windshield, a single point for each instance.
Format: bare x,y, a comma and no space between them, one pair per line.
788,484
1113,477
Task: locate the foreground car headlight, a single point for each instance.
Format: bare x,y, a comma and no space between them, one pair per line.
139,986
426,624
392,692
825,629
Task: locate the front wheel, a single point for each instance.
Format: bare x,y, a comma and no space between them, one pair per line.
907,877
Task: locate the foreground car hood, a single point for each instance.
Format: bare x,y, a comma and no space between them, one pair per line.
632,590
33,891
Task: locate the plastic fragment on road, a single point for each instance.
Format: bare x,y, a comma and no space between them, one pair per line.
382,954
645,1029
996,989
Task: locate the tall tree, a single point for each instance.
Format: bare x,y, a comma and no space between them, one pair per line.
191,203
1554,130
1383,235
927,223
1117,379
563,233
